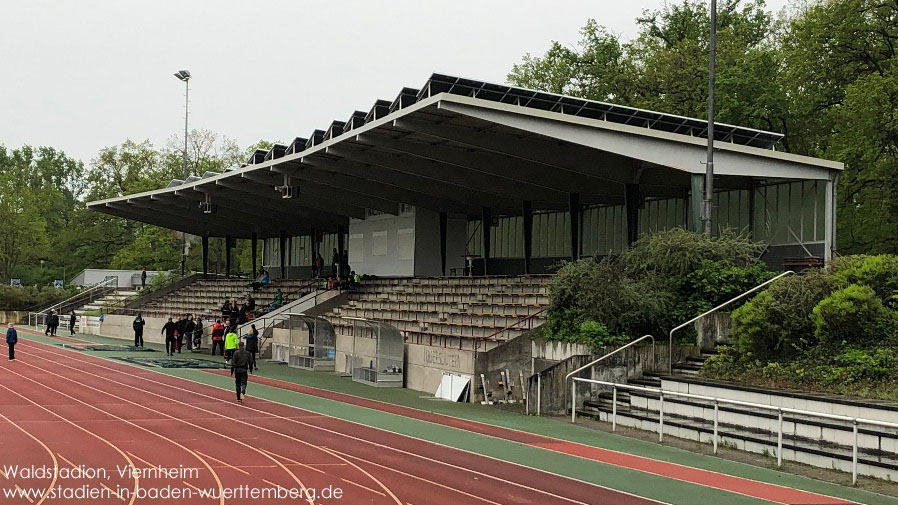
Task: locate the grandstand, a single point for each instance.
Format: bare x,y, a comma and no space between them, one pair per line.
456,199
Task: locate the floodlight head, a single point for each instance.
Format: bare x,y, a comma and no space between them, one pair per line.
183,74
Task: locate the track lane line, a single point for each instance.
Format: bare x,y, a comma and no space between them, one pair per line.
110,444
51,453
39,347
133,466
287,470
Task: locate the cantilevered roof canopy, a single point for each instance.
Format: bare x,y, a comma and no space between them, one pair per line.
457,146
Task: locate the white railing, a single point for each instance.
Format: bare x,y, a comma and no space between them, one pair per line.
715,309
855,421
90,294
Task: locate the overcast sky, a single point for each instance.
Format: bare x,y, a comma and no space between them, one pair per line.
83,75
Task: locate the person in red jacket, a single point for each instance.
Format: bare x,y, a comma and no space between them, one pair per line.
218,337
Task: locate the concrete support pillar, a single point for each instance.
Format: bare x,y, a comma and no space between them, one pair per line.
527,209
282,245
444,230
254,241
829,240
696,201
632,202
341,249
574,217
228,256
205,255
486,225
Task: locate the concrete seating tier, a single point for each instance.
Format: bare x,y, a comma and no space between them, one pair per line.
206,296
461,312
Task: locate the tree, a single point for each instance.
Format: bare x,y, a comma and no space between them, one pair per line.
23,231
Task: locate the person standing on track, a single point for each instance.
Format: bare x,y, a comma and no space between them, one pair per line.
55,325
49,323
189,328
252,343
169,330
218,337
72,323
241,362
12,338
138,330
231,340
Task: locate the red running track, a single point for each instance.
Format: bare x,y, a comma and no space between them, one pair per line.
748,487
102,414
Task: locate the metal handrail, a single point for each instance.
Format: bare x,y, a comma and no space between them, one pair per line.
514,324
717,401
88,293
612,353
715,309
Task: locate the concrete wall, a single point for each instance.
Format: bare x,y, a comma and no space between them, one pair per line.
713,330
13,316
121,327
625,365
383,245
513,356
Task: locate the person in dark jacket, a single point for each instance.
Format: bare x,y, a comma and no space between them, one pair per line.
226,310
72,323
252,343
12,338
198,333
49,323
241,362
143,279
169,329
138,330
189,328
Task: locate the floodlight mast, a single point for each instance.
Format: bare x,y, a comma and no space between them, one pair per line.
184,75
709,164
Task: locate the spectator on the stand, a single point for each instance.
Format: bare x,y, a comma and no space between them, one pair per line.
218,332
250,303
317,265
278,298
354,280
143,278
335,263
241,314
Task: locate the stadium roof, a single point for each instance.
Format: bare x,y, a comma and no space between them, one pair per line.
457,145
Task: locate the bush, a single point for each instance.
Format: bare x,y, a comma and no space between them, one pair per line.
854,315
776,323
880,273
31,298
715,282
675,253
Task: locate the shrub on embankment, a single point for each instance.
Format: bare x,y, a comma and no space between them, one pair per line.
28,297
833,330
661,281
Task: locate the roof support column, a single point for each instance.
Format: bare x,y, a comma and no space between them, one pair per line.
486,225
341,250
205,255
444,228
573,202
282,244
829,240
228,256
313,239
254,240
696,201
632,202
751,211
527,209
